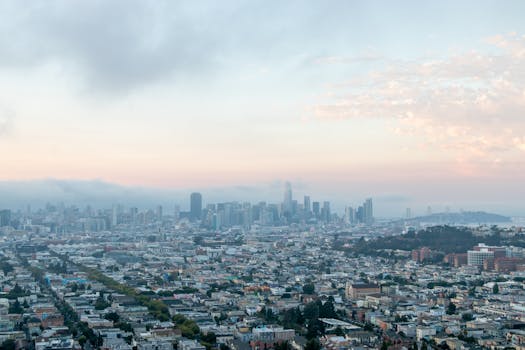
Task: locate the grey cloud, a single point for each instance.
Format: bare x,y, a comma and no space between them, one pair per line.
121,44
112,45
118,45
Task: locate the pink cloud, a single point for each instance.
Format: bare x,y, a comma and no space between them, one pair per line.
471,103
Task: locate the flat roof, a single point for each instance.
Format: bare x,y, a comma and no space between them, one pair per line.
338,323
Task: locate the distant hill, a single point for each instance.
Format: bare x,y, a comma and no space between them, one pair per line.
466,217
446,239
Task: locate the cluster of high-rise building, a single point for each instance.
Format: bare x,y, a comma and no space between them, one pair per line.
215,216
289,211
364,214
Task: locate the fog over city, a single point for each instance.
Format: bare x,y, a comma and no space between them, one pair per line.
389,204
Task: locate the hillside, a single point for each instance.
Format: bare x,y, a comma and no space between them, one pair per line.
463,218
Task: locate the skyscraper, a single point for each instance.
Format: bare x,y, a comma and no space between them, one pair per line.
287,203
306,204
368,211
114,216
176,213
316,209
326,215
195,206
349,215
5,217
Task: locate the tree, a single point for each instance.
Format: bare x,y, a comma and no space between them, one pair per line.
467,316
112,316
198,240
327,310
82,340
311,311
451,308
309,288
188,328
209,337
282,346
16,292
495,289
312,344
101,303
293,318
6,266
368,327
125,326
128,339
16,308
8,344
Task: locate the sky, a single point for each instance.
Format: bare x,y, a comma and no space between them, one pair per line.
409,102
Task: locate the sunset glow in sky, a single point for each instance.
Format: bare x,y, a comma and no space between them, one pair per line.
420,99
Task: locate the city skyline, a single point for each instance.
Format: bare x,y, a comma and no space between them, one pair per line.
182,96
187,204
262,175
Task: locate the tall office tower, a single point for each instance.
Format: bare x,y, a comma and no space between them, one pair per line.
5,217
256,212
369,211
429,210
114,216
176,213
133,214
158,212
295,205
349,215
408,213
195,206
316,208
360,215
287,203
306,204
227,216
326,212
217,217
274,210
247,217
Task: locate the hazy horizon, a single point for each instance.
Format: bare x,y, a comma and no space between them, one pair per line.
103,195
